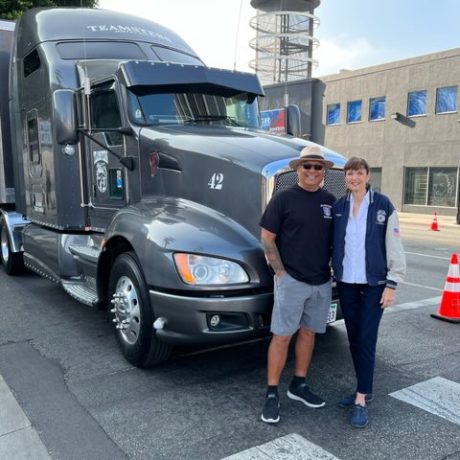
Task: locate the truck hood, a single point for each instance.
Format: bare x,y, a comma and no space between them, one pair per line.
229,170
253,149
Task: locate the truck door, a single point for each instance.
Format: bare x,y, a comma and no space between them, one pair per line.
107,178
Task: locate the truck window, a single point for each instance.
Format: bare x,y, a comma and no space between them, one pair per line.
169,55
31,63
99,50
32,138
179,108
106,114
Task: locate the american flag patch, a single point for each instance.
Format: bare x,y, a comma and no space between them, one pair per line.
396,232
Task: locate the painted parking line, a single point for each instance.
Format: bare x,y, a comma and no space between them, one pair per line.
18,439
429,302
427,255
421,286
290,447
438,396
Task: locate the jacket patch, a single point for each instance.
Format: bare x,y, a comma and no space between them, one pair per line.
381,216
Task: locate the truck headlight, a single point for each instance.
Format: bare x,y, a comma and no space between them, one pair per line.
195,269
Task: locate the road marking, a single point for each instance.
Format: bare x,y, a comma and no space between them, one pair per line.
438,396
416,304
427,255
420,286
290,447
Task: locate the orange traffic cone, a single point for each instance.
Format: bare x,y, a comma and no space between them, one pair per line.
434,225
449,308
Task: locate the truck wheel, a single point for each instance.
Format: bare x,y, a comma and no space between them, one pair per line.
132,314
12,261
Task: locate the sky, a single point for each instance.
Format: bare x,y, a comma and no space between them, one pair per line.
352,33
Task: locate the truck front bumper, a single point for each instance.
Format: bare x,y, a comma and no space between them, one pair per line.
211,320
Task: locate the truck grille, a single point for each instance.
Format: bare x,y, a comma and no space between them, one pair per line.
334,181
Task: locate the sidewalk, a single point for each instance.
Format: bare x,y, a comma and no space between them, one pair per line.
18,439
427,219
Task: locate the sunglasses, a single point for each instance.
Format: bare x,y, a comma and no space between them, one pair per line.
310,166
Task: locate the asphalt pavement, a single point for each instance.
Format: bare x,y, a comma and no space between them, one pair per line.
19,440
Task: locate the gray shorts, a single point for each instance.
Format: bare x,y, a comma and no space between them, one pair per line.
299,304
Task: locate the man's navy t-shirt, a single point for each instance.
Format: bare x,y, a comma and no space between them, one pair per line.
302,222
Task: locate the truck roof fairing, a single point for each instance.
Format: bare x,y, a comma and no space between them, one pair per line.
185,77
39,25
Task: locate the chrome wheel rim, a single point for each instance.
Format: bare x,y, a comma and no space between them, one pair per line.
5,246
126,309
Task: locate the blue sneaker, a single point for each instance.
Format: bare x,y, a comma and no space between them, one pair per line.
359,416
349,401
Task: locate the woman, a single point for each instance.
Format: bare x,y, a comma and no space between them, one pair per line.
368,261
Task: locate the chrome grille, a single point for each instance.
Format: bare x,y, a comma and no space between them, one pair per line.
334,181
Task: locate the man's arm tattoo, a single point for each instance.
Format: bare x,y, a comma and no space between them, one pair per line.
273,256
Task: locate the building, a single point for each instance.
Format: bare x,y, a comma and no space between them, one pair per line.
402,117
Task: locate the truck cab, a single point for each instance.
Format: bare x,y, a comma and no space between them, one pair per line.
141,176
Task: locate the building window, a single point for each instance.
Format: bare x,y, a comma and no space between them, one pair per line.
375,180
416,186
377,108
333,114
431,186
416,103
354,111
446,99
442,188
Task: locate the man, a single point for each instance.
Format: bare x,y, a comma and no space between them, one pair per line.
296,236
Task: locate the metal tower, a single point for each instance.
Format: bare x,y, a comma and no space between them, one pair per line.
284,39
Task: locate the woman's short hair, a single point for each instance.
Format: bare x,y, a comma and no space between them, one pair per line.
356,163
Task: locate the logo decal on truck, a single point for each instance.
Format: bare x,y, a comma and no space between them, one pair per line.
101,160
216,182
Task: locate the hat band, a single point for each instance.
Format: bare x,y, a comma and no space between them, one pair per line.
312,157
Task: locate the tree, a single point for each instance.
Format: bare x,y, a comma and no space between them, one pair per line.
12,9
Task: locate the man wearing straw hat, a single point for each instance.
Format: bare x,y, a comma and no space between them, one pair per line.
296,236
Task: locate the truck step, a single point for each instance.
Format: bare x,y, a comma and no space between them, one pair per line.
85,252
83,291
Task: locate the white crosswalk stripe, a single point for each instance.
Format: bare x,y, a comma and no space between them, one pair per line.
290,447
438,396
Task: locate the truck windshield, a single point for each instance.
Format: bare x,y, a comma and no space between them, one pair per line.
184,108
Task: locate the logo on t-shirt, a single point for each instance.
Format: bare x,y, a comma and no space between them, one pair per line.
327,211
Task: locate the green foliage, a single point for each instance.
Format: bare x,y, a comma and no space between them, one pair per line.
12,9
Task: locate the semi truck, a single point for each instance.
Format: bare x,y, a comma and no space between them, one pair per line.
134,176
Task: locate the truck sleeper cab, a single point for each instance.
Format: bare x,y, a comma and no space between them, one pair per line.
142,177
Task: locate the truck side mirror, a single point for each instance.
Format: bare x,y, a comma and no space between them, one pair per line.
65,117
292,120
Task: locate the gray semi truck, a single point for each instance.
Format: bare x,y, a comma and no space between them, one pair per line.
134,176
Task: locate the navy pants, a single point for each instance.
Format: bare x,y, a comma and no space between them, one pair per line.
362,313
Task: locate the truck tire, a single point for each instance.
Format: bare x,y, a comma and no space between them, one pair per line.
12,261
132,314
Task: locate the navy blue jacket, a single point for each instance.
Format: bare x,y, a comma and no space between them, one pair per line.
385,259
